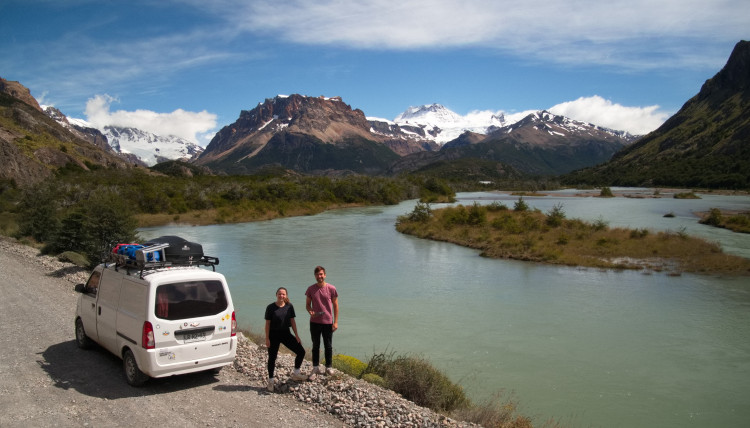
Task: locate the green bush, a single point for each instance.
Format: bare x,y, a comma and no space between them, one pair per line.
420,214
556,216
606,192
477,215
520,205
496,206
417,380
349,365
638,233
374,379
714,218
75,258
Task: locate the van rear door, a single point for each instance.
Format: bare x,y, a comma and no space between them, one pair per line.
194,321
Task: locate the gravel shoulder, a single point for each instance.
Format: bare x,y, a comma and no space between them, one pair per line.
46,380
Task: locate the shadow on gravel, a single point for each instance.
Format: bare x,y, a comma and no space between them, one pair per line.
69,270
98,373
241,388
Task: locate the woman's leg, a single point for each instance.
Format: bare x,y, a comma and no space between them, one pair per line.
291,342
273,351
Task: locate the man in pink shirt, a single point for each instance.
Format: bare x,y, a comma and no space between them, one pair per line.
323,306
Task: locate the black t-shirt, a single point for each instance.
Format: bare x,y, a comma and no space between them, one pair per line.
280,317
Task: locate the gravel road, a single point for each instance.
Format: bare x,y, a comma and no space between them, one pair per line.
46,381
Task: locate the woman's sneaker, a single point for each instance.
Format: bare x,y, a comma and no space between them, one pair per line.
330,371
270,385
298,376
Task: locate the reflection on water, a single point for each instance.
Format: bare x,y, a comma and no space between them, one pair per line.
588,347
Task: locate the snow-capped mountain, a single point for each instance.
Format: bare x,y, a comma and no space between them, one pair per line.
150,148
130,142
437,123
561,126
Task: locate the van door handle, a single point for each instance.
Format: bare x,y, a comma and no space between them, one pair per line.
100,310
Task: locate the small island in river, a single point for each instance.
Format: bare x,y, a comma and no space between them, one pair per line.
522,233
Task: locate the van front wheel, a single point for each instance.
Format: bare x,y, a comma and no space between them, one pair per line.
82,340
133,374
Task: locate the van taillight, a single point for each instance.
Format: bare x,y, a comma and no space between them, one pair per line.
147,339
234,324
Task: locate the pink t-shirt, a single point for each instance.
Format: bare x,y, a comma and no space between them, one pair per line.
321,298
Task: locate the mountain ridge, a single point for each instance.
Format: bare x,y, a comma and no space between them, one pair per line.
705,144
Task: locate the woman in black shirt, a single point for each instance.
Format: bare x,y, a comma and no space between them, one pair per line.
279,317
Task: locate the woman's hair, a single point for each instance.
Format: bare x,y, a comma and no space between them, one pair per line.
286,299
319,268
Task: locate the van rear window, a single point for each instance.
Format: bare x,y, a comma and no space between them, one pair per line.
193,299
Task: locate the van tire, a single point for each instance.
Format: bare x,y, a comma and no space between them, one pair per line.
133,375
82,340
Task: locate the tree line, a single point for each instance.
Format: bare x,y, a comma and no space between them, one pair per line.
86,211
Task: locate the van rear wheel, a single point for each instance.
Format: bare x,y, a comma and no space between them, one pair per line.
82,340
133,374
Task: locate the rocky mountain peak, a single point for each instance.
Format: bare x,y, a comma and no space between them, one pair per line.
317,113
733,78
17,90
327,119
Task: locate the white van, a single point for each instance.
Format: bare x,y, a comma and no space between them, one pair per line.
161,318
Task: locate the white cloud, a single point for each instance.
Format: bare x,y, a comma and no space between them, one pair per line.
628,33
193,126
602,112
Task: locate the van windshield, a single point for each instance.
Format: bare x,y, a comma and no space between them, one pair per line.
193,299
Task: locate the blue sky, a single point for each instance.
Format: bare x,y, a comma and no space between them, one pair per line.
188,67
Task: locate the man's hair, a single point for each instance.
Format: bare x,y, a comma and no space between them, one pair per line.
319,268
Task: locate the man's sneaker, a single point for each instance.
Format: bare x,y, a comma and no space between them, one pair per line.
314,373
270,385
330,371
298,376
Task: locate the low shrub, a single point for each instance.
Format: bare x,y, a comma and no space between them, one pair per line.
349,365
374,379
520,205
417,380
714,217
496,206
497,413
75,258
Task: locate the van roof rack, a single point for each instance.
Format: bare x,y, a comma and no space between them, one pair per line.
154,257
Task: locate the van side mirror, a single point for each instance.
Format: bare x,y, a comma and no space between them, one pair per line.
80,288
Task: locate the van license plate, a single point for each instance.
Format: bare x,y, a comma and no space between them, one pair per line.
194,337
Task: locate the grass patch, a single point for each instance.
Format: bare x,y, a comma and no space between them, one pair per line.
551,238
736,222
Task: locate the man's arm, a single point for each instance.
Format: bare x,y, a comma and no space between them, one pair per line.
308,306
335,302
